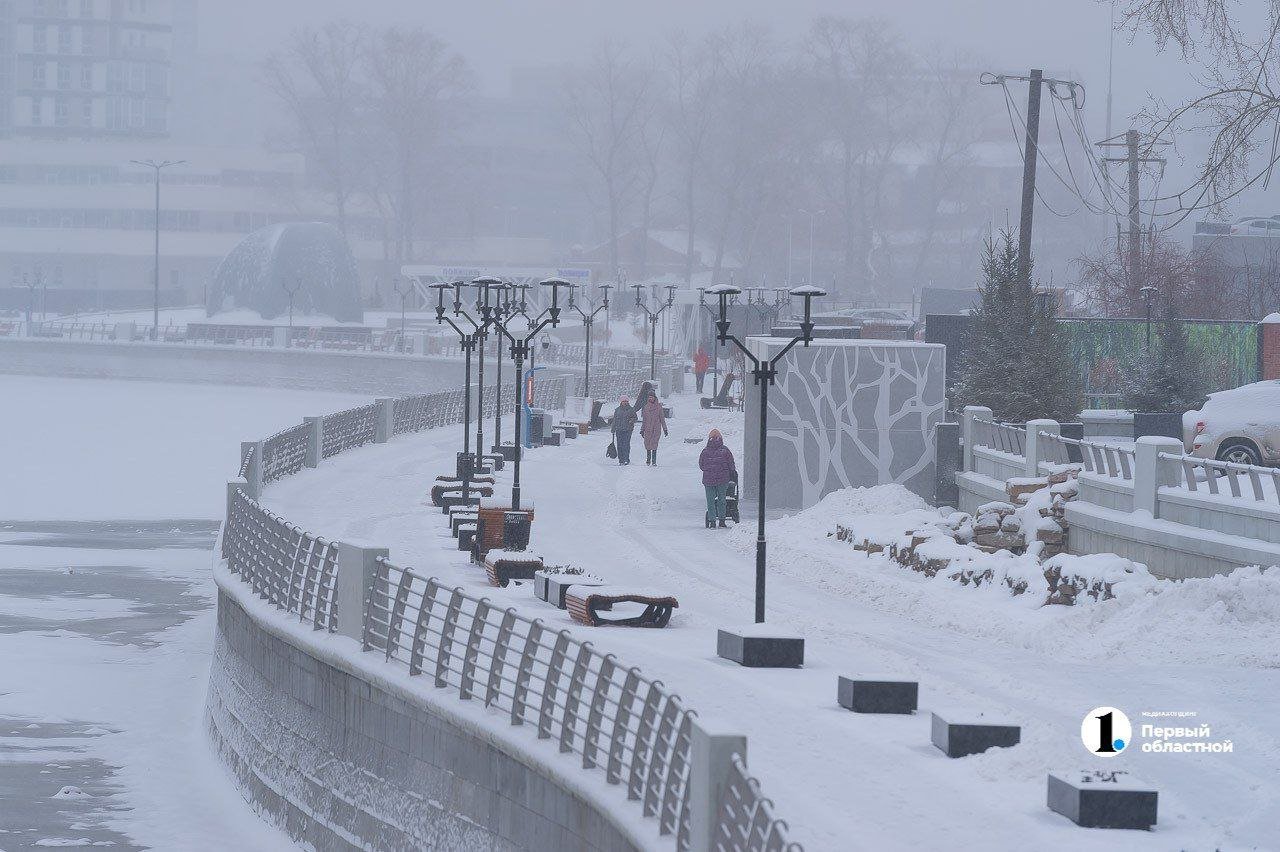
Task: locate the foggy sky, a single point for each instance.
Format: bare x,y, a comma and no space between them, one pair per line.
1061,36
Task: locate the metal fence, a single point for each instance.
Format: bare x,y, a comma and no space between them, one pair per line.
1100,459
292,569
613,718
1002,437
1196,471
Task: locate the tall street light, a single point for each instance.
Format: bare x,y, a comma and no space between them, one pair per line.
502,310
520,351
488,295
653,323
811,214
158,167
588,320
466,462
763,372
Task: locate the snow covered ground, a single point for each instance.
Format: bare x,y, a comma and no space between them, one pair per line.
105,626
842,780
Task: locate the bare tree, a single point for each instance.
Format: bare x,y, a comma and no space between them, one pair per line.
861,75
607,103
694,78
1238,108
413,77
318,78
1192,284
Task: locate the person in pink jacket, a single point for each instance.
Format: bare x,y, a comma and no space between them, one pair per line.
652,429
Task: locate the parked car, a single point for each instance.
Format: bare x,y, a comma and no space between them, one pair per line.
1257,226
1240,425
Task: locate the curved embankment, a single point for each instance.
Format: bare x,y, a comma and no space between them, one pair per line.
519,737
341,758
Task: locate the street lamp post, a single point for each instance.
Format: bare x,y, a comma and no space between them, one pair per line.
520,351
404,296
715,361
291,291
588,320
465,461
489,293
158,167
502,310
653,324
764,372
1148,293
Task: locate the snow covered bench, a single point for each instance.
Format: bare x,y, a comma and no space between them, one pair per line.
578,411
503,566
585,603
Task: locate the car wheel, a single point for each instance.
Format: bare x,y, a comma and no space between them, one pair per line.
1239,454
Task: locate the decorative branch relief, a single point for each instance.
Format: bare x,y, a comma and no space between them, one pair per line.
858,415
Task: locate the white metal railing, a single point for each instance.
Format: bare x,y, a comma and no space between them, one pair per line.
746,818
1002,437
1196,471
282,563
614,718
1096,458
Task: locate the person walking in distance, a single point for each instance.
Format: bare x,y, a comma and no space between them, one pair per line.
624,423
652,429
718,470
701,361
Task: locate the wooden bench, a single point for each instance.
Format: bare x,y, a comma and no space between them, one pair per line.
441,490
503,566
491,526
585,603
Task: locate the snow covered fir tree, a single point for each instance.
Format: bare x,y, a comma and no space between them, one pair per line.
1167,377
1017,361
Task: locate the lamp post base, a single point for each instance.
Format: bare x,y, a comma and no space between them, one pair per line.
761,646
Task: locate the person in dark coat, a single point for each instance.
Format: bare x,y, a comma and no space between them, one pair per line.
624,423
652,429
718,470
642,398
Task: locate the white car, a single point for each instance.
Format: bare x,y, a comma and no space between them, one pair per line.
1257,226
1240,425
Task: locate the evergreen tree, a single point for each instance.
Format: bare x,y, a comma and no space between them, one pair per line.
1016,359
1168,379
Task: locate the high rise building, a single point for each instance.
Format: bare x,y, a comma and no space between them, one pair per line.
86,69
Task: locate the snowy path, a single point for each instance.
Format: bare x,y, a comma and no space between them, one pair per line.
842,780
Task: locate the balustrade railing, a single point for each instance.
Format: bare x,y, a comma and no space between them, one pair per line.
1002,437
1195,472
1097,458
746,818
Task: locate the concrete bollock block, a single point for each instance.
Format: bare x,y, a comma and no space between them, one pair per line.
761,646
1098,798
558,584
957,739
877,696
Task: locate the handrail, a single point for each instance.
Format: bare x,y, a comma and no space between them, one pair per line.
614,718
1097,458
1001,437
1190,465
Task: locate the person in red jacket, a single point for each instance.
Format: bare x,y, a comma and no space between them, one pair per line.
701,360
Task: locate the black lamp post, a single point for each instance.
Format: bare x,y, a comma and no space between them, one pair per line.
466,462
519,351
653,323
158,168
763,372
1148,293
588,319
715,360
488,292
502,309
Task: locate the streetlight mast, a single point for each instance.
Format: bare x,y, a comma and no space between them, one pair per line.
158,167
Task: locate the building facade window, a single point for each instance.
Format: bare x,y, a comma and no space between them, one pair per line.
64,75
37,111
38,80
64,39
40,38
61,112
86,76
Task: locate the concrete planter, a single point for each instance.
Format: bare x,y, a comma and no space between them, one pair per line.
1166,424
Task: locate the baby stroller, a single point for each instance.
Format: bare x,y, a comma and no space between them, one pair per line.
730,502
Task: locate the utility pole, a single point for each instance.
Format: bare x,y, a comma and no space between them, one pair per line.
1036,81
1133,160
158,167
1029,176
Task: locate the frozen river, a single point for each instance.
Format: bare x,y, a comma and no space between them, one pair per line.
107,515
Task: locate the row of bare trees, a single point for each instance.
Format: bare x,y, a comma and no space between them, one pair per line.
734,139
738,131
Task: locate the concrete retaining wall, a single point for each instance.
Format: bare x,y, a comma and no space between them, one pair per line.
342,760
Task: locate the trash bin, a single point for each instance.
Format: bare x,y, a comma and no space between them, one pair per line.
466,466
515,530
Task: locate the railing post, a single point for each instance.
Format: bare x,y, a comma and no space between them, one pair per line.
357,566
253,473
234,487
1150,472
710,759
315,441
1037,448
972,414
386,419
